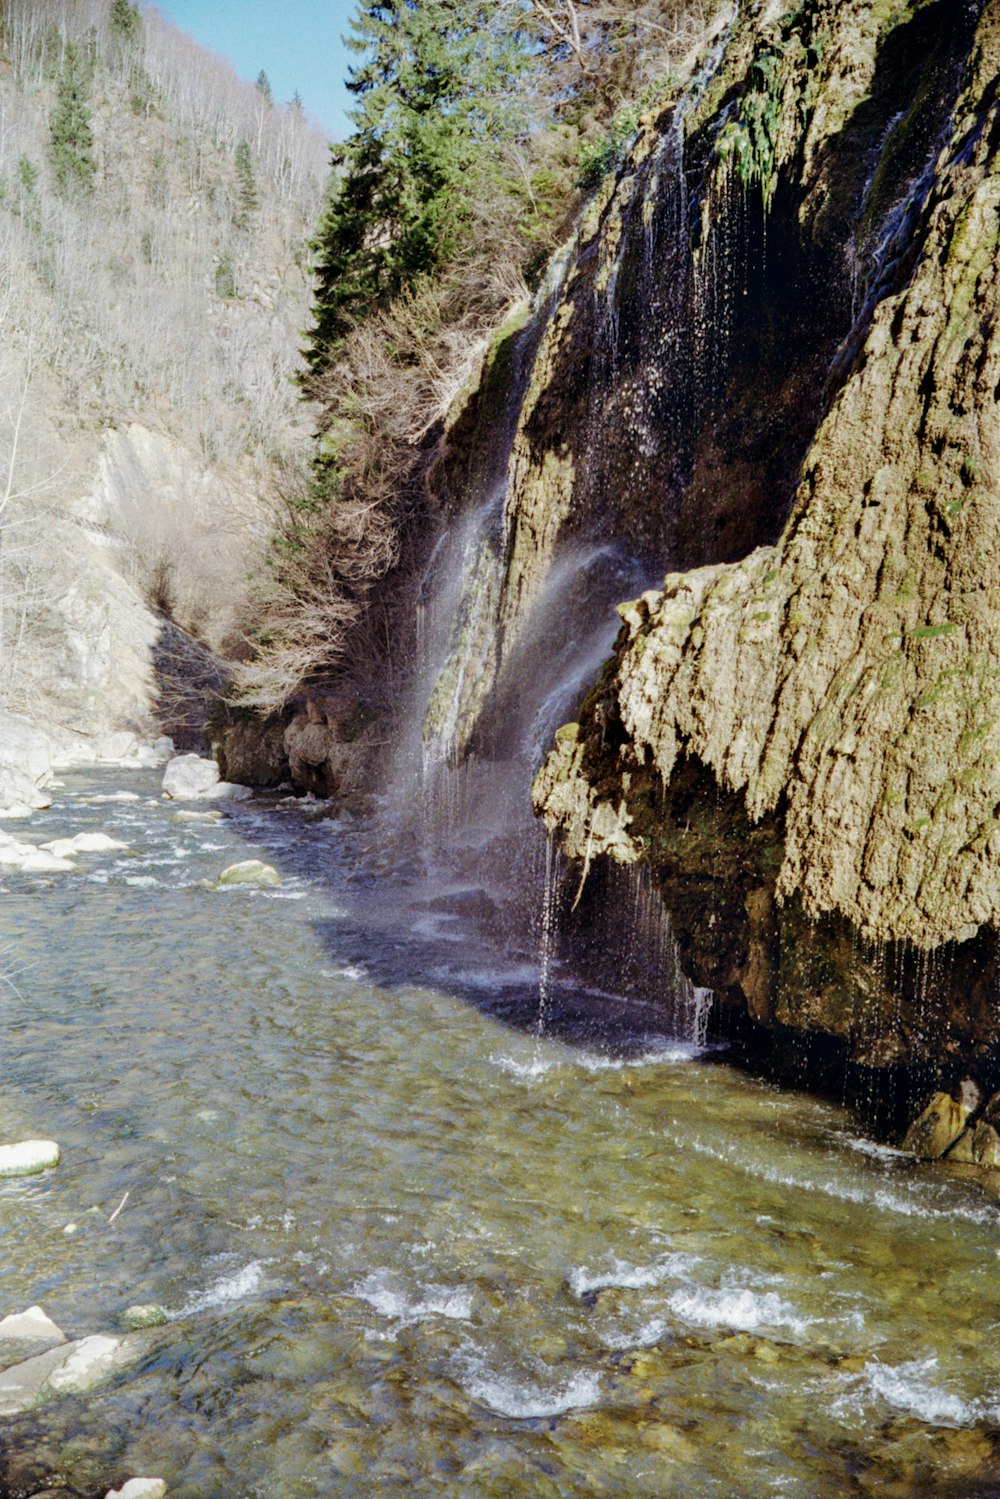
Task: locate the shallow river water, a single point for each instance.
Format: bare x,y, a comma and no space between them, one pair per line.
408,1246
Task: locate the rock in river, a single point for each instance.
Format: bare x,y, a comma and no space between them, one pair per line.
190,778
139,1488
32,1326
28,1157
250,872
134,1318
941,1122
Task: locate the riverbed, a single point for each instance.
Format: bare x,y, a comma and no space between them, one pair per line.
410,1242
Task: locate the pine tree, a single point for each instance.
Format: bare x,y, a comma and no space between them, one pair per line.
434,91
71,137
264,86
248,202
126,22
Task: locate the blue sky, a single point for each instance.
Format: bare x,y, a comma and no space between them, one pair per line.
296,42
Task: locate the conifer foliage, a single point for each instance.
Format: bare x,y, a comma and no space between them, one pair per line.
72,138
437,107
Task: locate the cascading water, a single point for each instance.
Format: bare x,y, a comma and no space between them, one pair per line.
505,656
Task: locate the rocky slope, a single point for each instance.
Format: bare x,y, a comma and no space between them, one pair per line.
800,736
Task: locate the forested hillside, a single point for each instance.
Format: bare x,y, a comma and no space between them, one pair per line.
155,215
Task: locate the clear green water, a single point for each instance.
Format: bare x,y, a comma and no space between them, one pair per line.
409,1248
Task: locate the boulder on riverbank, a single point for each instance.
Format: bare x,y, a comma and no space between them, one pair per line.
191,778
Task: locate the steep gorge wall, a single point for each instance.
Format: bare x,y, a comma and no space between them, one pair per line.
800,736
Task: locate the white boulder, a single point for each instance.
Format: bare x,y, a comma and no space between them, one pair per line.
83,843
250,872
191,778
25,856
139,1488
32,1326
28,1157
70,1368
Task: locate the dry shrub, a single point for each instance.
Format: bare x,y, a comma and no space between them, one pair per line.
395,379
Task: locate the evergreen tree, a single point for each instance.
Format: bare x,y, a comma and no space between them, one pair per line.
264,86
436,105
72,140
126,22
248,202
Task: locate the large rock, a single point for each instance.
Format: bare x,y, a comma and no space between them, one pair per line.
250,872
32,1328
937,1128
72,1368
839,679
191,778
28,1157
25,856
139,1488
83,843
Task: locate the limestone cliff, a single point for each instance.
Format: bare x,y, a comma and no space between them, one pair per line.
810,725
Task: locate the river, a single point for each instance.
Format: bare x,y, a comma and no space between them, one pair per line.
408,1245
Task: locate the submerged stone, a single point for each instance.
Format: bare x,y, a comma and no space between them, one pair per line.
250,872
28,1157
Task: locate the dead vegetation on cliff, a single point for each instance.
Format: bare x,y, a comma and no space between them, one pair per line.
400,361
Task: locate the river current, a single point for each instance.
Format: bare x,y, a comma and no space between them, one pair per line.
408,1245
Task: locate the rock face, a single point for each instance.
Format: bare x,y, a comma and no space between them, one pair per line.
816,718
326,743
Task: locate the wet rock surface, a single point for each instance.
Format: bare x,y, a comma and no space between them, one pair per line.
839,683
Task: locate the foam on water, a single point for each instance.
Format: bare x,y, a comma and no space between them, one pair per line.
229,1289
524,1402
742,1309
536,1066
380,1290
623,1276
913,1388
873,1148
658,1054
